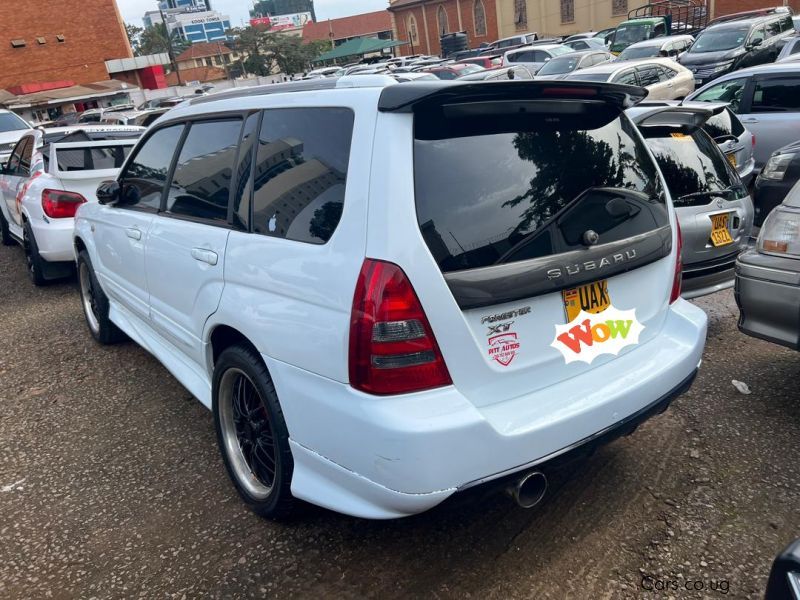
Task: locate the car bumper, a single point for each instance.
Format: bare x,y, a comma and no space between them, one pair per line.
747,172
389,457
767,195
768,296
701,279
54,239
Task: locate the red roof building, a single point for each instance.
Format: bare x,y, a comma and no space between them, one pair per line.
375,24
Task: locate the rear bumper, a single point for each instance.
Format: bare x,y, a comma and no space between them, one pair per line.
388,457
768,295
54,239
701,279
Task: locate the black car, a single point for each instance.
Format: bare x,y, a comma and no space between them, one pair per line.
779,175
784,579
736,44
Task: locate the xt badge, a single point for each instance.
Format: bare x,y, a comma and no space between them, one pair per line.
500,328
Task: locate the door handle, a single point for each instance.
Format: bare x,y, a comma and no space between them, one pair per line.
206,256
750,120
133,233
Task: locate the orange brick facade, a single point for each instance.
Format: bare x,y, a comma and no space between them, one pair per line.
92,30
425,15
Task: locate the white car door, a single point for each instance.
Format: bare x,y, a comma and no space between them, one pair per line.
187,241
14,177
120,231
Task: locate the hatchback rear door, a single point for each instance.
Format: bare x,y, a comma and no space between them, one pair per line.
534,204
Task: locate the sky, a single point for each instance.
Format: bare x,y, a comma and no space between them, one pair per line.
132,10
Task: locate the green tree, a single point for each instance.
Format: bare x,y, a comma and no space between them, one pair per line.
134,35
155,40
270,52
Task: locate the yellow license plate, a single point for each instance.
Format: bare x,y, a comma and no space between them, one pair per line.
591,297
731,159
720,236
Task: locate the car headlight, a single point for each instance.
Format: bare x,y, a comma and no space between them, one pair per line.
780,233
776,167
722,67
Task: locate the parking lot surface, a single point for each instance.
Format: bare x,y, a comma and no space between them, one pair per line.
111,485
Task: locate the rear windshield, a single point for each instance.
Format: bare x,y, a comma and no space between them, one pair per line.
89,159
557,66
694,168
495,191
722,39
642,52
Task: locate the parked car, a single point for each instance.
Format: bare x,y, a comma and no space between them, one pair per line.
586,44
49,175
487,62
406,77
784,577
534,58
122,117
791,48
606,35
148,117
12,128
778,177
664,78
580,36
768,278
671,46
509,43
453,70
561,66
737,44
461,346
329,71
766,99
712,204
498,74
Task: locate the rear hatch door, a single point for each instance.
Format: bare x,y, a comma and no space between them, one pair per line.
548,232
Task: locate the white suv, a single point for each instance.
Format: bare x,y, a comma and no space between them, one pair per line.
388,293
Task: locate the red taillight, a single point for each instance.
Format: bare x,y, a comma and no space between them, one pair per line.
753,139
392,347
676,282
58,204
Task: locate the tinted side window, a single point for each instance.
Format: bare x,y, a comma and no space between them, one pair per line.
730,91
786,24
758,34
243,197
773,28
146,174
723,124
13,162
648,76
777,95
301,172
201,185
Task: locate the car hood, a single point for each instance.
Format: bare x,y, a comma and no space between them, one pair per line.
689,59
793,147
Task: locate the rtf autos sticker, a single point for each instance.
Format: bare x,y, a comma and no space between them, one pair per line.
503,348
588,335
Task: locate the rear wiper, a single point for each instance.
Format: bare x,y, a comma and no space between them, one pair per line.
708,193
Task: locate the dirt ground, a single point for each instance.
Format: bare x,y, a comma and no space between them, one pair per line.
111,486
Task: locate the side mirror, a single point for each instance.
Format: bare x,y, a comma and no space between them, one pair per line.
108,192
756,43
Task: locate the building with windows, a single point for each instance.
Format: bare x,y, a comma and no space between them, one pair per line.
192,21
423,22
376,24
274,8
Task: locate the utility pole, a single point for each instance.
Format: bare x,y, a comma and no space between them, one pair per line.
169,45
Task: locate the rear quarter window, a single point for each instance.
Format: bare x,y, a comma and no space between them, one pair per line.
88,159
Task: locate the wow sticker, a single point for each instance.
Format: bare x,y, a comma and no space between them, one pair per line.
589,335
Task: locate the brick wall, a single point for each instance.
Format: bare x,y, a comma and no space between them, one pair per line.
93,33
451,7
727,7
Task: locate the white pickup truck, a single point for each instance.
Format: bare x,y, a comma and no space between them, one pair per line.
49,174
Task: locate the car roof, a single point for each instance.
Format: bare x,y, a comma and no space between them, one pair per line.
614,66
535,47
660,41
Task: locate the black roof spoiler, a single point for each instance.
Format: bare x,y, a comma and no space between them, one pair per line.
689,118
406,97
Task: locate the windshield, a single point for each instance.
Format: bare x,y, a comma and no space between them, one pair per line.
565,64
559,50
630,34
530,200
722,39
641,52
693,165
11,122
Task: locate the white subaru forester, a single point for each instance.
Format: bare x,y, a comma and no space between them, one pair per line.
388,293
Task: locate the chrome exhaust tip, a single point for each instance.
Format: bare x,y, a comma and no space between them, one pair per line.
529,490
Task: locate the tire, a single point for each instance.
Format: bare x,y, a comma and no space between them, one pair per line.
5,234
95,304
251,428
36,266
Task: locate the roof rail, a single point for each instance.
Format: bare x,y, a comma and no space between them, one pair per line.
750,14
